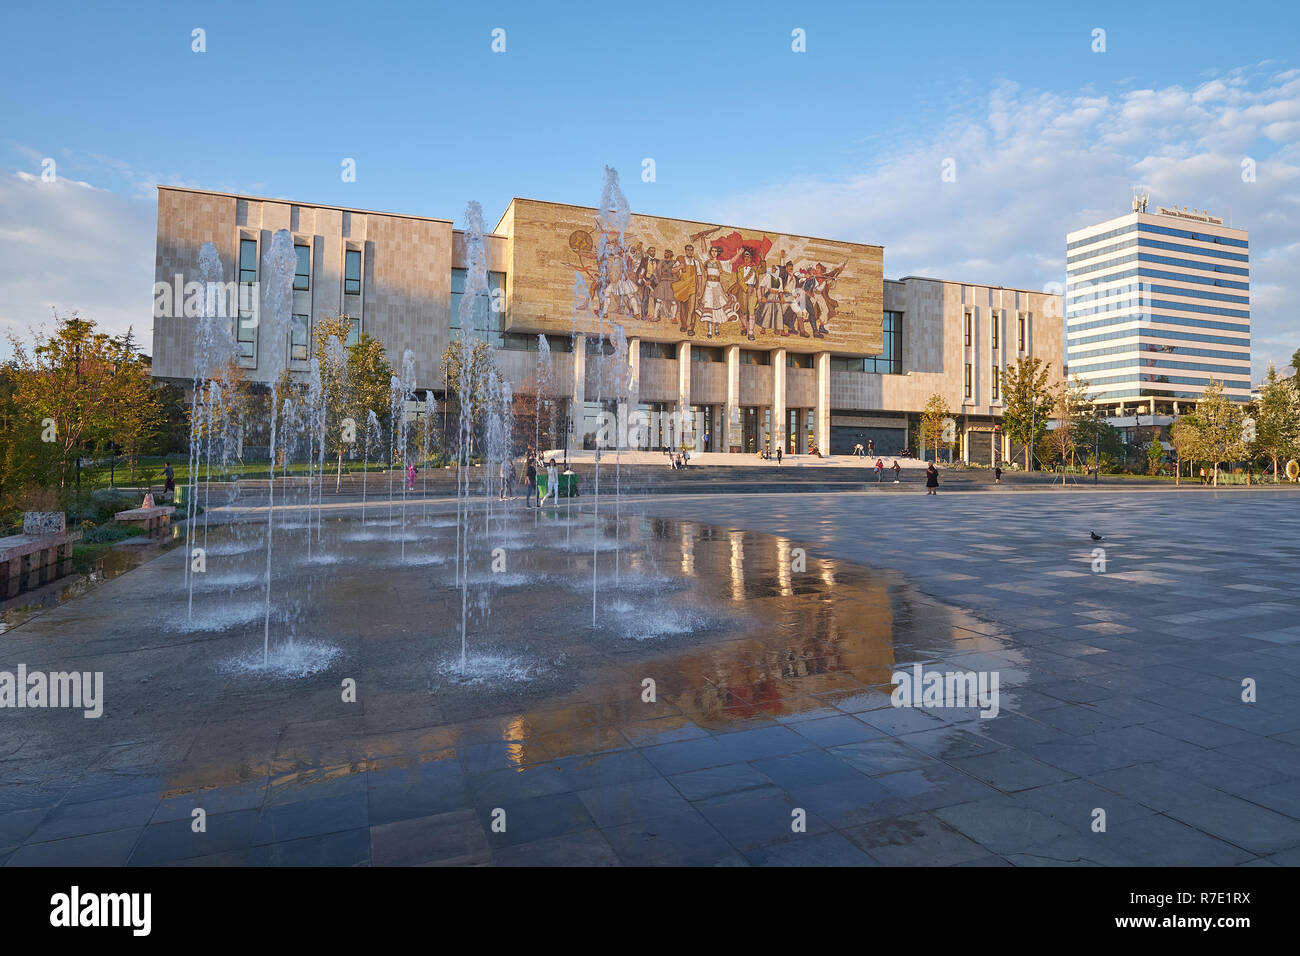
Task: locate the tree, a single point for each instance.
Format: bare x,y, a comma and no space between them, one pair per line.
78,385
136,411
1028,400
934,423
329,338
1276,419
1221,427
1155,454
369,377
466,372
1185,436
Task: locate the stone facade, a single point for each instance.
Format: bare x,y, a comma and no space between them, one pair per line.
406,293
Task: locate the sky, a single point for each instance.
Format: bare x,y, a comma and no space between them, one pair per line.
1047,124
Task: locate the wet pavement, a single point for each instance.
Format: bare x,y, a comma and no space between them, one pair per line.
770,628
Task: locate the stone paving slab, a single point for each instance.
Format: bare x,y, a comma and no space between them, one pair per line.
1122,693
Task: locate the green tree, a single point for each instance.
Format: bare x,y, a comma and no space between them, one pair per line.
1276,419
1185,436
466,373
329,345
1028,400
69,386
935,420
1155,454
1221,427
369,377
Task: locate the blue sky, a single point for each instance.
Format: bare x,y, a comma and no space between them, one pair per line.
844,140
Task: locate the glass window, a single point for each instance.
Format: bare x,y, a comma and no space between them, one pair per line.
754,357
246,335
354,331
1020,332
995,321
703,353
247,260
968,380
302,275
298,338
996,373
890,360
798,360
658,350
496,291
352,272
968,323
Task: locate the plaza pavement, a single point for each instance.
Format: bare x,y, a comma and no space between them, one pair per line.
1121,691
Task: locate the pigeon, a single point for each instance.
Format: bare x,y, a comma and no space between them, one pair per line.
1096,536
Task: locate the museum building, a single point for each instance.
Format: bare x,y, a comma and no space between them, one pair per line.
747,338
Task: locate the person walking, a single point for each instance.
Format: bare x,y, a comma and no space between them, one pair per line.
880,470
1203,477
410,477
871,446
530,493
997,474
552,484
778,458
932,480
897,468
169,479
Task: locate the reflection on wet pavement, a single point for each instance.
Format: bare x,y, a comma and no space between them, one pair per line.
735,681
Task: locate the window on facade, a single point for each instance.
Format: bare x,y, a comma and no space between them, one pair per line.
298,338
485,319
967,327
1020,332
302,275
996,382
995,321
798,360
890,359
703,353
246,334
247,260
968,380
352,272
658,350
354,331
752,357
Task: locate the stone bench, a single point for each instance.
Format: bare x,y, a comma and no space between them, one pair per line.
149,520
29,560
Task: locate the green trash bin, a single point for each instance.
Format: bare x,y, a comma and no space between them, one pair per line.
568,485
182,492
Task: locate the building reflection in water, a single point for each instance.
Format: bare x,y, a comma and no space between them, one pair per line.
774,642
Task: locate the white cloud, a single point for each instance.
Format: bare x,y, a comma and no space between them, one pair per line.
1032,166
66,245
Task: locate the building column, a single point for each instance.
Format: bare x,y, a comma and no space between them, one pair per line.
733,433
822,413
633,436
685,423
578,391
778,399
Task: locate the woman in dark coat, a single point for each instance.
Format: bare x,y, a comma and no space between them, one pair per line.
932,480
